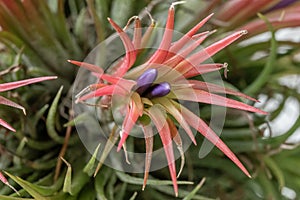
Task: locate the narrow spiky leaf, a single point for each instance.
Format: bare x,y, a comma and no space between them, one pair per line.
206,97
209,51
213,88
209,134
107,90
90,67
130,55
8,102
181,42
13,85
202,69
160,55
172,62
5,181
129,121
171,109
177,139
159,119
148,133
6,125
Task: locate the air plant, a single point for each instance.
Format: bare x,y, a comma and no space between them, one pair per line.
46,33
154,89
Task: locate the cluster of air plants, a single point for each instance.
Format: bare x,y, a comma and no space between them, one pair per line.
45,158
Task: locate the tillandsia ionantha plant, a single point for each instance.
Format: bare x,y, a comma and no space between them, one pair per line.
153,89
4,87
49,32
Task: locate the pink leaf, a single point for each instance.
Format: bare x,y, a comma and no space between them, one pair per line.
93,68
129,48
230,8
209,51
106,90
6,125
13,85
212,88
208,133
160,55
124,83
202,69
182,41
206,97
173,61
4,180
170,108
177,139
130,119
290,19
159,119
8,102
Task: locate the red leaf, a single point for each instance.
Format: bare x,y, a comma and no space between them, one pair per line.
208,133
209,98
129,48
159,119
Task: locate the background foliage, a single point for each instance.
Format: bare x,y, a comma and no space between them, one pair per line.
38,37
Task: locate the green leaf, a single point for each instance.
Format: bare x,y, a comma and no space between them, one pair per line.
12,198
263,77
195,190
68,178
50,122
181,193
267,185
90,166
37,192
100,182
133,196
78,120
139,181
111,185
80,179
97,21
88,193
122,10
121,192
108,146
278,173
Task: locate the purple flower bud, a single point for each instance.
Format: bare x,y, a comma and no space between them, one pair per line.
282,4
146,80
158,90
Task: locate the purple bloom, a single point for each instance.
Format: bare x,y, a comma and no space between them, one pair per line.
158,90
282,4
146,80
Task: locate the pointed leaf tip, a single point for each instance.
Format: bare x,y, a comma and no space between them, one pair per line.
243,32
177,3
88,66
6,125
